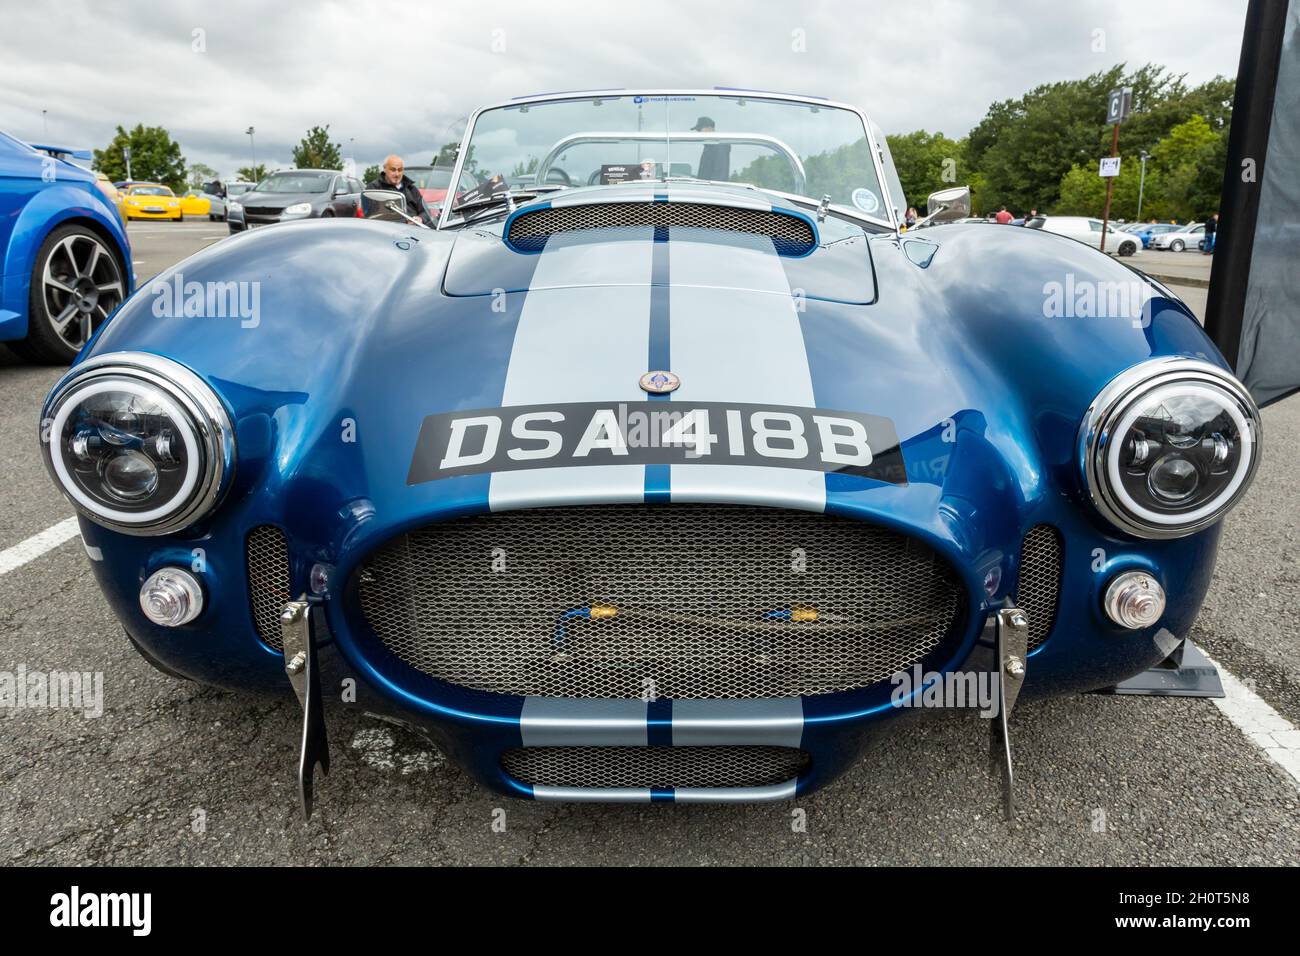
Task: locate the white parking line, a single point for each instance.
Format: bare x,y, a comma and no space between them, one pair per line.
1263,726
37,544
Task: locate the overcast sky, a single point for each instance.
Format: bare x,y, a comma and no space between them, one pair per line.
401,76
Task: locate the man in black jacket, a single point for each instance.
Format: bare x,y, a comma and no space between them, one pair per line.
715,158
393,176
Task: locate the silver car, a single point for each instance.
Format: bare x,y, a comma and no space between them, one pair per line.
217,208
1088,230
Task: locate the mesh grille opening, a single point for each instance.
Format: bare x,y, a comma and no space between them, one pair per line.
682,602
267,554
791,235
1040,580
648,767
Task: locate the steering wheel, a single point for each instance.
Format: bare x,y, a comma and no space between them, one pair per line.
555,171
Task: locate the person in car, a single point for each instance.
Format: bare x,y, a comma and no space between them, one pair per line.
393,177
715,158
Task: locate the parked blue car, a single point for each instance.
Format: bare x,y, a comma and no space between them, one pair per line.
1147,230
680,475
66,258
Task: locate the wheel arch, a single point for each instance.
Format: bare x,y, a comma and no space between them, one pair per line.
44,212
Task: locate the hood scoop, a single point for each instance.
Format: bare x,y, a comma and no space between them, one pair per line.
528,229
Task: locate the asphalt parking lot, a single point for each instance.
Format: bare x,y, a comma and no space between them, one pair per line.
174,773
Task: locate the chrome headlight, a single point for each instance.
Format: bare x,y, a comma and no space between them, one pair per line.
1169,446
298,209
138,443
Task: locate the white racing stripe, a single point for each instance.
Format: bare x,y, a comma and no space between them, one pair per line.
1263,726
734,345
37,544
584,344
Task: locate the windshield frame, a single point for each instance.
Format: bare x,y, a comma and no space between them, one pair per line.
891,222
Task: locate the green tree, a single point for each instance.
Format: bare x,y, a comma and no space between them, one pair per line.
446,155
1184,164
316,151
1083,192
251,174
155,156
928,162
371,174
1025,147
200,173
522,168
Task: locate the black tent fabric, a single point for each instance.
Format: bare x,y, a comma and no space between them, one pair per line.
1253,312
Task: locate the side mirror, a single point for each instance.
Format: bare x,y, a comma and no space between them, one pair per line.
379,203
948,205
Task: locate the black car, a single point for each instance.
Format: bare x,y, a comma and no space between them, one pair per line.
295,194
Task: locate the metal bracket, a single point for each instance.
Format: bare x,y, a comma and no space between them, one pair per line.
1010,652
1186,672
300,664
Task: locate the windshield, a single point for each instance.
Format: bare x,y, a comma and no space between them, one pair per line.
150,191
235,189
809,149
295,182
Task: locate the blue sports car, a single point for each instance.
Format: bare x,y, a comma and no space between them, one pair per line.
66,259
677,475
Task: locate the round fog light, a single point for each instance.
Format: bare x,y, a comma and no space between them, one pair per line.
1135,600
171,597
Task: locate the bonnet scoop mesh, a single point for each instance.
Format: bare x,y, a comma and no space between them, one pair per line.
528,230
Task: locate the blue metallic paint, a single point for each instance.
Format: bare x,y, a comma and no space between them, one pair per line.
38,194
356,327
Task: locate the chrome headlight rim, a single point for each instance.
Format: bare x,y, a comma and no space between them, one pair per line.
213,435
1111,414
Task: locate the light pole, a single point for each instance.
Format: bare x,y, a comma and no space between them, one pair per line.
1142,181
252,148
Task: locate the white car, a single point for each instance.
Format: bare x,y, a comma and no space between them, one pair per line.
1192,234
1088,230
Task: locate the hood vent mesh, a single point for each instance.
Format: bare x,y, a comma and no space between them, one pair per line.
529,230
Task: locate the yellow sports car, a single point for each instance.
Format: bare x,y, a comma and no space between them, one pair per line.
195,204
151,201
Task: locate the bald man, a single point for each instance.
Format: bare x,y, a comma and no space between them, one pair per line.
393,176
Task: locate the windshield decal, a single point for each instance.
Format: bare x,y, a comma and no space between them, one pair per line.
495,186
866,200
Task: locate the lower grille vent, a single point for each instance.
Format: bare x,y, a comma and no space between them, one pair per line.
267,555
654,767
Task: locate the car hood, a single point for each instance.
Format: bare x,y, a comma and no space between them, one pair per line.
968,384
838,268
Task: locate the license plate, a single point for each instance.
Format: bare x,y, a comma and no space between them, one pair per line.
153,208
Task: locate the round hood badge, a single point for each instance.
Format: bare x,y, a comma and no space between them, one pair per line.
660,382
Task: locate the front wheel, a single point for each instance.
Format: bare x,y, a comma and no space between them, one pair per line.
77,282
1127,249
1177,245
